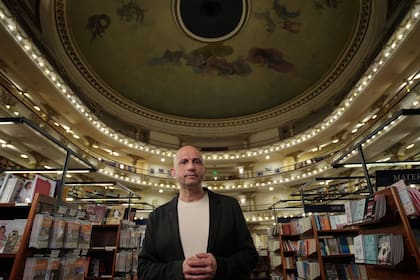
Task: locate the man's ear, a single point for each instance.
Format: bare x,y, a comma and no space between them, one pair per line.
173,172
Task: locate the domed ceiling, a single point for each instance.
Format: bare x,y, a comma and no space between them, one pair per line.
283,61
137,50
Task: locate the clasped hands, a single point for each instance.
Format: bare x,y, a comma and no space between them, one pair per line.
202,266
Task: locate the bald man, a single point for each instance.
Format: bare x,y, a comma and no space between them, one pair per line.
198,234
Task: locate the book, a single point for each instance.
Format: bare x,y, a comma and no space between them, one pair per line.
415,198
397,249
40,231
331,271
370,247
344,246
348,210
58,228
53,269
10,188
359,210
333,247
25,193
79,268
384,249
3,236
380,207
67,265
115,214
84,234
14,233
71,236
405,197
96,213
370,207
44,186
359,252
35,268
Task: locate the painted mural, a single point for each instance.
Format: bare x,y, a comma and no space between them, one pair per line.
283,51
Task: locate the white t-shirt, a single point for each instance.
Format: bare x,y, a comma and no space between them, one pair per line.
194,222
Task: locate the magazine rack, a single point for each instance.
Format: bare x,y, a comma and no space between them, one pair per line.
13,264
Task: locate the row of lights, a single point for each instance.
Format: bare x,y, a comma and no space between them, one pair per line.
375,136
270,184
13,28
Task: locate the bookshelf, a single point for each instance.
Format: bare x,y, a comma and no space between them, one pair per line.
13,264
262,270
273,244
395,222
334,248
114,250
319,245
288,250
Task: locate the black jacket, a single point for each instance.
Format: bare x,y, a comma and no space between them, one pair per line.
229,241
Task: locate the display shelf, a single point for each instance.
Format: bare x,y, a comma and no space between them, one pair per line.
397,222
262,270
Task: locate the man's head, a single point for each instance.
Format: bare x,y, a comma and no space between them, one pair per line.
188,167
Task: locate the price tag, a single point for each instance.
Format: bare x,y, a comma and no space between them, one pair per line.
61,209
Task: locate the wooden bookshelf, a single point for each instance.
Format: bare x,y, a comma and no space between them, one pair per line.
287,254
14,264
394,222
263,269
103,247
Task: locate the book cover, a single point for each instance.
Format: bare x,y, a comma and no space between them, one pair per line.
405,198
14,233
67,265
3,236
348,210
384,249
35,268
359,210
71,236
11,187
40,231
344,246
26,192
333,246
370,244
370,207
53,269
96,213
331,271
415,198
359,253
115,214
58,228
84,234
44,186
79,268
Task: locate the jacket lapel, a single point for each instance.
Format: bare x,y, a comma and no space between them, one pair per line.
215,219
173,216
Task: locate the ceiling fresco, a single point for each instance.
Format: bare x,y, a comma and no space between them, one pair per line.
286,52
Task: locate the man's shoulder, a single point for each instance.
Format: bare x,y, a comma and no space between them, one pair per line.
221,197
167,205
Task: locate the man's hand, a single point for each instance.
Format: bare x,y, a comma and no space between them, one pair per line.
202,266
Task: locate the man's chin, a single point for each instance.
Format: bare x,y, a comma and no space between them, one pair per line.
191,186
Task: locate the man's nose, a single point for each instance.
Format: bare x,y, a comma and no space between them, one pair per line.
191,165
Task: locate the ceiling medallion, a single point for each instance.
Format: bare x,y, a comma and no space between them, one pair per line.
211,20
